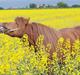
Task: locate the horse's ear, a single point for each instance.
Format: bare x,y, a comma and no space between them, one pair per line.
27,21
22,21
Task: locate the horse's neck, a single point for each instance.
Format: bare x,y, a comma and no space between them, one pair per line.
29,32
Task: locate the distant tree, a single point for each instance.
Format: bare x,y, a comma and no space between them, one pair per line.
32,5
50,6
62,5
1,8
44,6
75,5
26,7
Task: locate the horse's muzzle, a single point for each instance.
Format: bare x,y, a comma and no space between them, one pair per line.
3,29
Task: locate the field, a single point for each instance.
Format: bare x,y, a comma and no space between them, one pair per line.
17,57
56,18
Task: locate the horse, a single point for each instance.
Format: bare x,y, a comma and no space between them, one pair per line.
23,26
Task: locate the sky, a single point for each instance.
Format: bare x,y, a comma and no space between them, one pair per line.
23,3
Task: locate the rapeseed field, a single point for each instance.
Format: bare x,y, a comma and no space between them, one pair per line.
17,57
56,18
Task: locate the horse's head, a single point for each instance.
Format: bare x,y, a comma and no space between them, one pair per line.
16,28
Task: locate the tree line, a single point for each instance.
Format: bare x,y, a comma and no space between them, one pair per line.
59,5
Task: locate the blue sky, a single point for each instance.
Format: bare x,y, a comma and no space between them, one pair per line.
23,3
